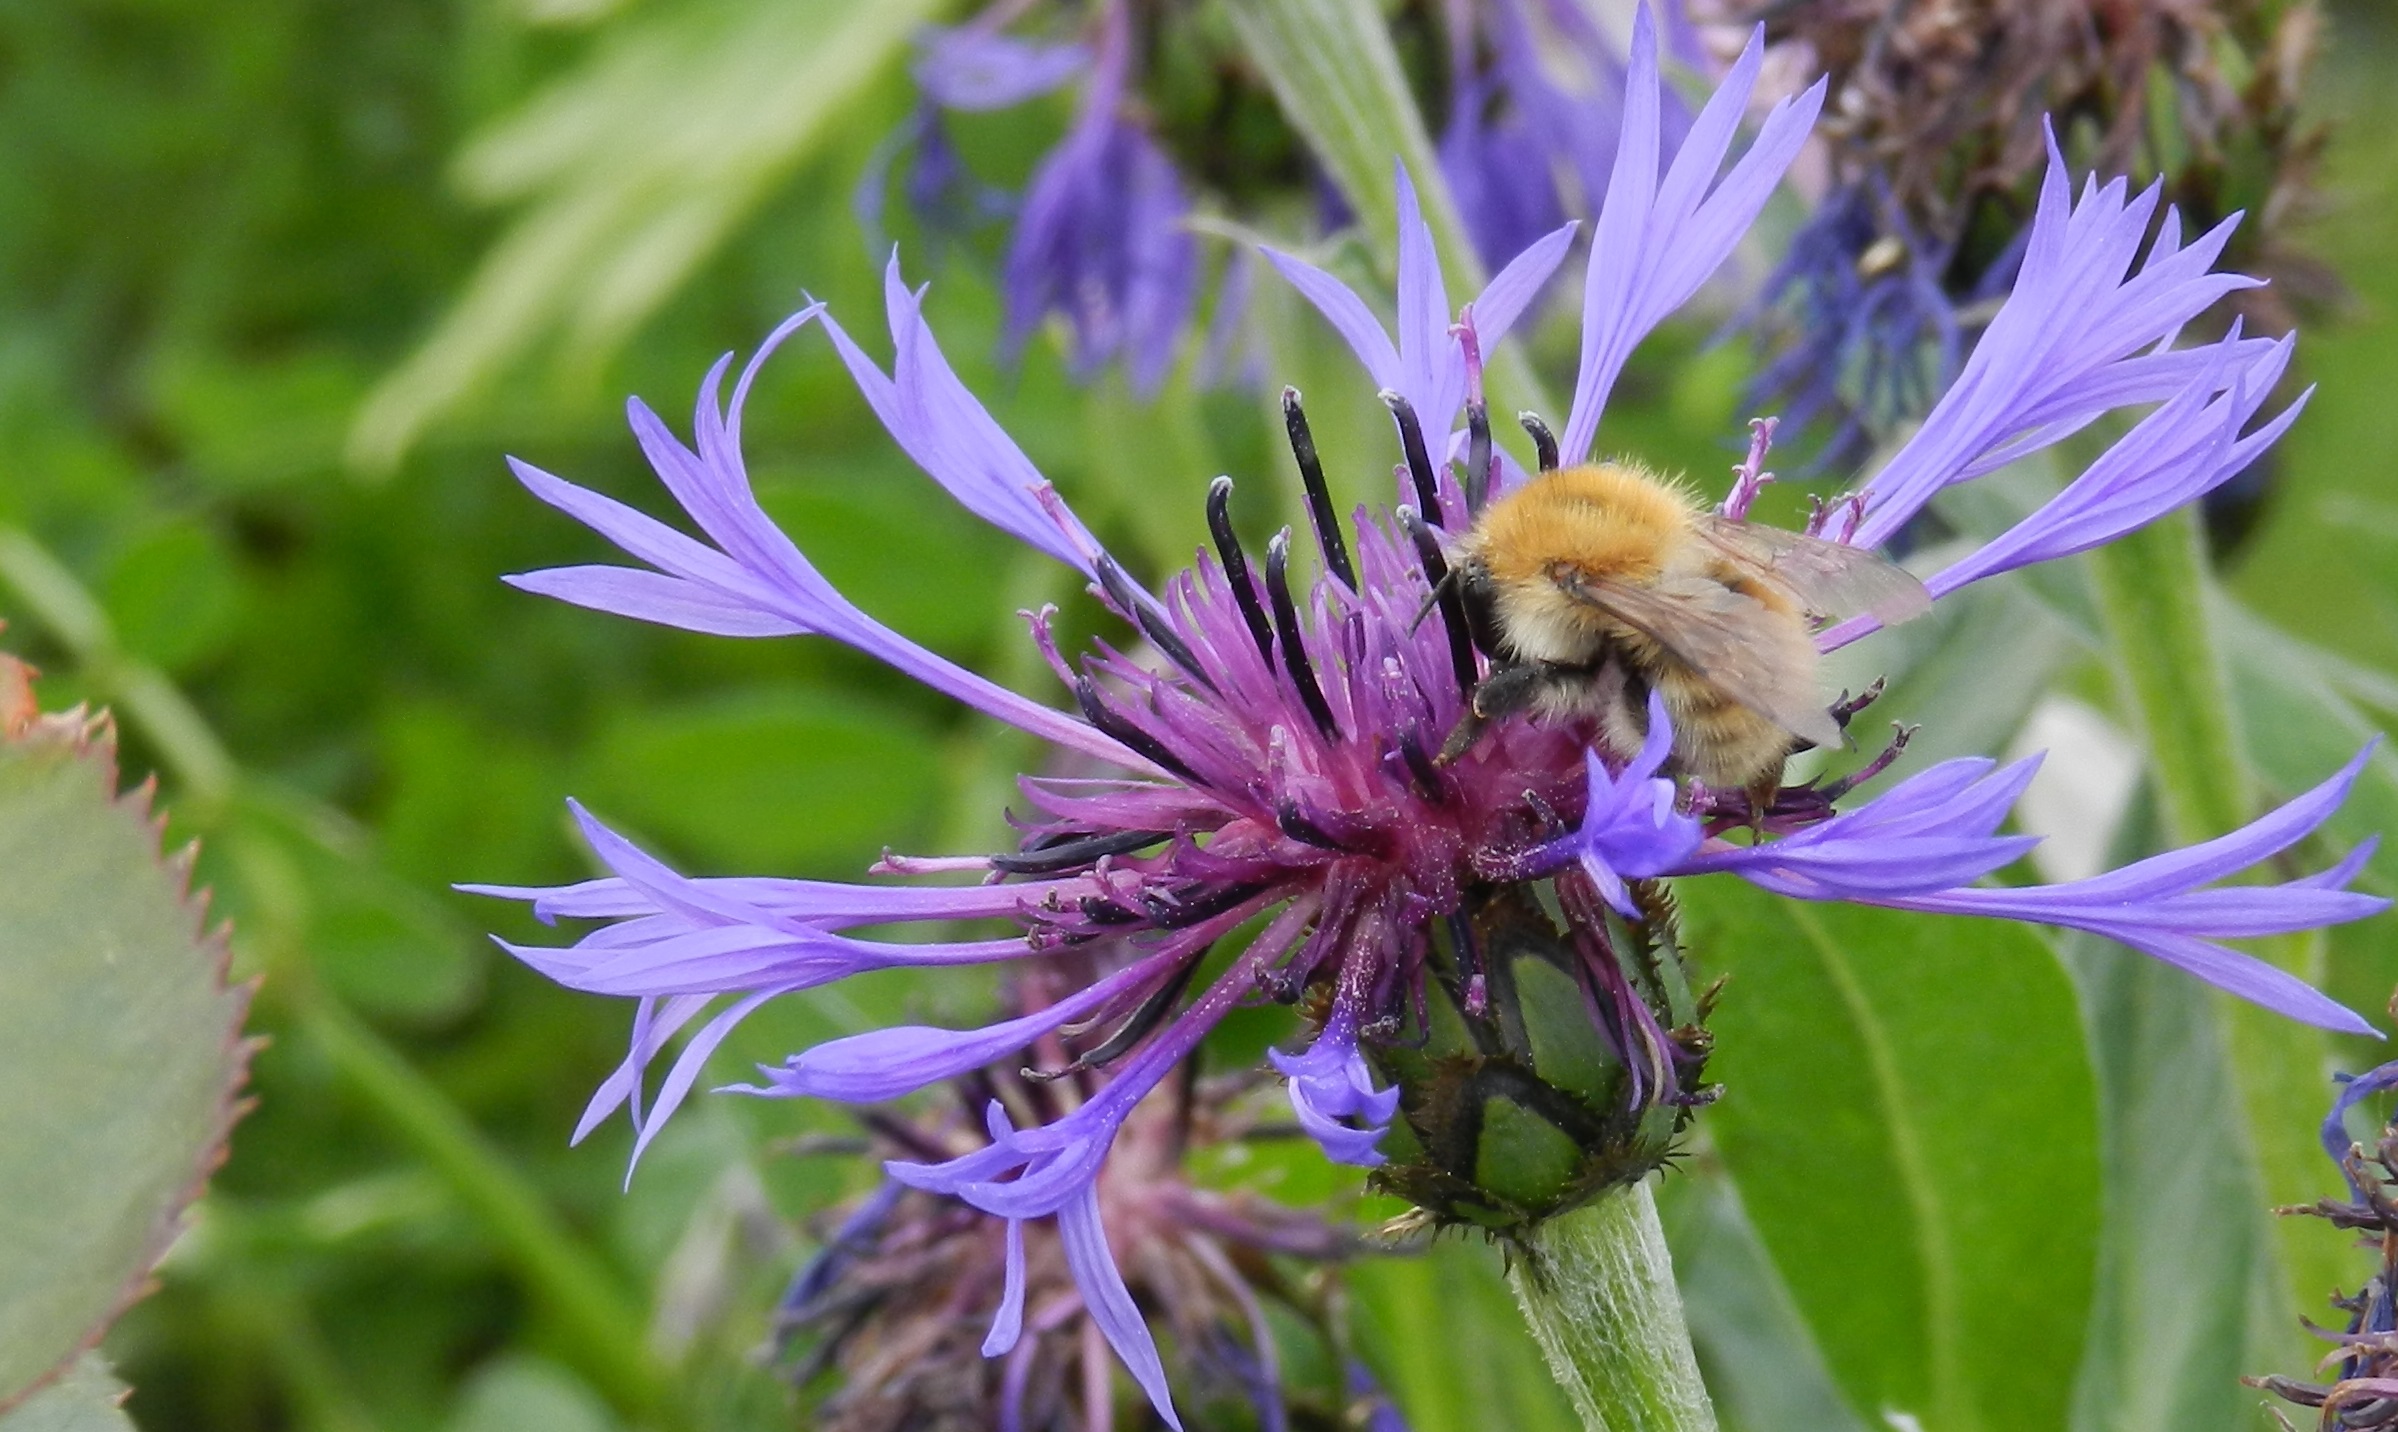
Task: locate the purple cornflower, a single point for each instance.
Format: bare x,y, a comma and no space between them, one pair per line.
1101,239
1269,752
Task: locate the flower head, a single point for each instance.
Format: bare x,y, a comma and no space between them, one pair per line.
937,1316
1270,748
2365,1394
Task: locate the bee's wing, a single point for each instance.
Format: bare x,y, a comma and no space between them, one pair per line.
1733,643
1827,579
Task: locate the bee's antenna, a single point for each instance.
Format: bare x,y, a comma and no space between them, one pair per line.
1236,566
1286,627
1419,461
1544,442
1445,595
1319,497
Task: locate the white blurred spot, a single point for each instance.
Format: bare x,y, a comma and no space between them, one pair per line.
2084,787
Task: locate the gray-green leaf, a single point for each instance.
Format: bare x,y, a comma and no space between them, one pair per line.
120,1047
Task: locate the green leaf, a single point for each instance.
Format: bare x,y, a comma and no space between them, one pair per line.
2186,1238
1910,1116
87,1399
173,596
386,945
1756,1352
778,778
120,1044
633,170
527,1394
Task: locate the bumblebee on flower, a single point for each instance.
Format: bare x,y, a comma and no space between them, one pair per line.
1279,744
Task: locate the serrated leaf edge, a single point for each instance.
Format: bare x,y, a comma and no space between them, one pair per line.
91,738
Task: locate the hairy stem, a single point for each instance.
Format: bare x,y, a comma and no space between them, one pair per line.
1597,1286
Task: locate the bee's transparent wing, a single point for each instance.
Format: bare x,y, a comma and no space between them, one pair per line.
1827,579
1733,643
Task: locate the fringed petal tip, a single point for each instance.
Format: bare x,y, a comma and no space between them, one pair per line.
1330,1085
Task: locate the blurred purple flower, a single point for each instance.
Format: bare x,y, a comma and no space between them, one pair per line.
1272,752
1100,235
975,68
1102,239
1866,334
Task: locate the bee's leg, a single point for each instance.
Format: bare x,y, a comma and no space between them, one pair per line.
1501,694
1846,708
1834,789
1761,793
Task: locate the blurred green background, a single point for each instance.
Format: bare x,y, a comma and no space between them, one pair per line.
281,281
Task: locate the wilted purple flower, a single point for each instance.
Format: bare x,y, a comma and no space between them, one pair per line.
938,1319
2365,1395
1271,757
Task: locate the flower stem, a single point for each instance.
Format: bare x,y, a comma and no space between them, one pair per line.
2157,603
1597,1286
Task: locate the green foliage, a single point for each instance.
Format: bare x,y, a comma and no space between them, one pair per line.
1910,1115
120,1043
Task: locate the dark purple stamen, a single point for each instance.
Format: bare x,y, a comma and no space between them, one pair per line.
1900,736
1074,853
1472,983
1421,772
1297,826
1099,714
1444,592
1419,460
1846,708
1286,628
1152,622
1320,510
1544,442
1135,1028
1170,911
1477,456
1106,912
1236,566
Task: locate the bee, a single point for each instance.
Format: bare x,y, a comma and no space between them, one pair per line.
1589,587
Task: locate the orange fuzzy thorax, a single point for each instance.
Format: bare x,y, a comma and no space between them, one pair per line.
1615,522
